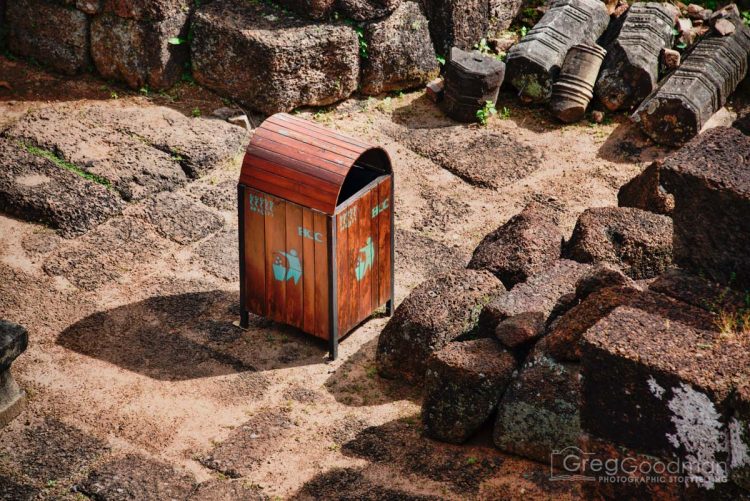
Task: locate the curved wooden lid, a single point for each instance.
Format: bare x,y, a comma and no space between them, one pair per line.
305,163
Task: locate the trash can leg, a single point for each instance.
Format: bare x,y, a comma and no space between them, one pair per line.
245,319
389,308
333,344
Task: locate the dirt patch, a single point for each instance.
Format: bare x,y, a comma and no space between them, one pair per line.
220,255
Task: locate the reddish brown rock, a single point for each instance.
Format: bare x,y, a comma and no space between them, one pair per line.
457,23
645,192
710,181
520,329
141,52
638,242
699,291
659,378
52,34
366,10
541,294
527,244
399,52
463,385
272,61
599,277
435,313
563,340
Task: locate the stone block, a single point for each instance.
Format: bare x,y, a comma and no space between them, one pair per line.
457,23
710,181
638,242
436,312
52,34
399,52
659,378
366,10
272,61
141,52
539,412
527,244
463,385
35,188
645,192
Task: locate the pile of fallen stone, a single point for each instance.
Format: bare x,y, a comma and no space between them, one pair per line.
629,340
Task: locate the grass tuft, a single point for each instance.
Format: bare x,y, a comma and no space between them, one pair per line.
39,152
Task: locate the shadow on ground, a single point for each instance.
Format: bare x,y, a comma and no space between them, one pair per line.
188,336
628,144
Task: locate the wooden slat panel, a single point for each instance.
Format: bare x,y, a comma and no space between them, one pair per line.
365,252
301,199
275,162
305,145
294,284
375,232
275,227
290,179
309,277
254,206
301,154
343,225
384,242
322,276
322,132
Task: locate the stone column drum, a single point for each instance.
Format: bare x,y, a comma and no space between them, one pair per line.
13,341
573,92
631,68
471,79
534,63
687,98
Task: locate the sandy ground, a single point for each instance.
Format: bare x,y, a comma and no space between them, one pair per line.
151,364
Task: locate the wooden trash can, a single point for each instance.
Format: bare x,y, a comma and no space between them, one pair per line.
316,229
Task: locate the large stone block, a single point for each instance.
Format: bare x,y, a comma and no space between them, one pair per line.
3,27
457,23
36,189
463,384
138,51
270,60
313,9
436,312
539,412
545,293
638,242
365,10
53,34
504,12
527,244
659,377
535,62
143,9
13,341
710,181
399,52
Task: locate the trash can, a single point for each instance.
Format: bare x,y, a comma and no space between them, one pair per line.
316,228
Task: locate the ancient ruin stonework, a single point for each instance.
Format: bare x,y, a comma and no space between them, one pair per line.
457,23
52,34
272,61
365,10
639,242
539,412
141,51
710,181
436,312
534,63
527,244
399,52
631,67
463,385
471,81
645,192
687,98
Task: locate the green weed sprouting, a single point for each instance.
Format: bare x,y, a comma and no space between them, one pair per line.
486,112
39,152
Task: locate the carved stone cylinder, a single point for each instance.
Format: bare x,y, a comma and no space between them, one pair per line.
534,63
687,98
573,92
13,341
631,68
471,79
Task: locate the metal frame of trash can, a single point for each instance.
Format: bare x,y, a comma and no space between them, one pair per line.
328,178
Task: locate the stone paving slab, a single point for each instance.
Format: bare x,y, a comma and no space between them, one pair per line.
37,189
179,218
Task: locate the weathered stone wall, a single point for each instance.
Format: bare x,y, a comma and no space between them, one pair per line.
258,53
